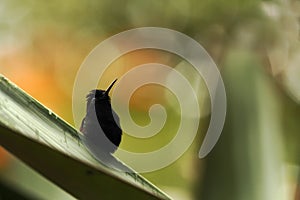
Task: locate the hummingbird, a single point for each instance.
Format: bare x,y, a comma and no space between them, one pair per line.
101,125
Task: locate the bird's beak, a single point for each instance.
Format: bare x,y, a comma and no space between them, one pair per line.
109,88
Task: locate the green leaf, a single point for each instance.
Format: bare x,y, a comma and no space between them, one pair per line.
52,147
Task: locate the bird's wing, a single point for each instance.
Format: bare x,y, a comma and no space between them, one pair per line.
116,118
82,125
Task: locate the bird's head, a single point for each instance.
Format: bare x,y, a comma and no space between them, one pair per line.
99,94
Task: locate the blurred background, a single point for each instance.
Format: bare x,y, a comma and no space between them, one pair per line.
254,43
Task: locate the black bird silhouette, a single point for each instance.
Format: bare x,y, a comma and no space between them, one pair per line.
101,126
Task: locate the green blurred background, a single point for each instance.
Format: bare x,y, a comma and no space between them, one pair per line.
255,45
